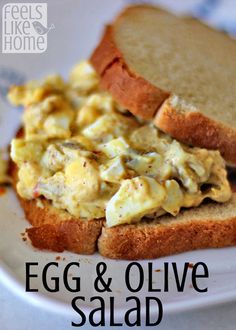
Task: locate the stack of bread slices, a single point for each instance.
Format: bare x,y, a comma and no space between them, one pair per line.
181,75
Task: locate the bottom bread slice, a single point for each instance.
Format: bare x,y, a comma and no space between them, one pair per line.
56,230
208,226
211,225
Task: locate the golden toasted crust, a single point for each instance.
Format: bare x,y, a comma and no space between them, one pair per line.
153,240
192,127
57,230
144,99
128,88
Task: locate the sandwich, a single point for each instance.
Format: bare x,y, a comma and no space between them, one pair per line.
128,157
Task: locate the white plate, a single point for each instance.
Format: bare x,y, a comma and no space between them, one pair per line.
73,39
14,253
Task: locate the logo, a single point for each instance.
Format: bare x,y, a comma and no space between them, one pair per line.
24,28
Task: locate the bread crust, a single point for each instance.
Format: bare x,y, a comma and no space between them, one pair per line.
153,240
193,128
145,100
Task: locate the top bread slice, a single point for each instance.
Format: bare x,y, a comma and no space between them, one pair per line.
175,71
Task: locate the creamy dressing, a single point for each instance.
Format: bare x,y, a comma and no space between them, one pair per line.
88,156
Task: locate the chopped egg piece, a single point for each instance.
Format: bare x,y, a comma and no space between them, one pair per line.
135,198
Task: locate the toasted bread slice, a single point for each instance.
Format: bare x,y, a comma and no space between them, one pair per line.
55,229
208,226
148,56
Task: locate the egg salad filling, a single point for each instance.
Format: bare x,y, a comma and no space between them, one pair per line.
87,155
